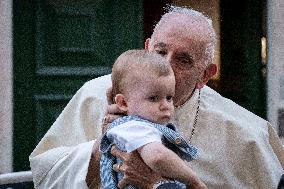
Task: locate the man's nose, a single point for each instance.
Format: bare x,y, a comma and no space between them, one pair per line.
169,57
170,60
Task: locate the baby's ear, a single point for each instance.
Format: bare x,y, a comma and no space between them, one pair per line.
121,102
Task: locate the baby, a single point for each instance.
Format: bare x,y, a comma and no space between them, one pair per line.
143,87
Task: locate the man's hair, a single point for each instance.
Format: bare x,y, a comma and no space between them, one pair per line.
131,65
172,11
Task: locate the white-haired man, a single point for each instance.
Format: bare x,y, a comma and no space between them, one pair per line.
237,148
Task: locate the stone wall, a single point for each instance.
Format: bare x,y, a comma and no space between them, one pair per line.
5,86
275,64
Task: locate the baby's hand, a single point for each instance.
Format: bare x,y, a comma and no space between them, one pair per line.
112,111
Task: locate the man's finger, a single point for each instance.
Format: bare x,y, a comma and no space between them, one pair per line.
114,109
115,167
107,119
122,183
119,167
117,153
104,128
112,117
109,96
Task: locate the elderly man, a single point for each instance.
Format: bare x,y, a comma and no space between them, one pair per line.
237,149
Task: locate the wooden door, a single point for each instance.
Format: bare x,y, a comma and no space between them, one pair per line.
59,45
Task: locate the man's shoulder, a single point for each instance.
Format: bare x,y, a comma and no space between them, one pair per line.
94,89
97,85
102,81
225,107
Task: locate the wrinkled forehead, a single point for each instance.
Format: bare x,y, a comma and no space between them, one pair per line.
184,27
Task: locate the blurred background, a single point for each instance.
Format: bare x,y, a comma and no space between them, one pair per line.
49,48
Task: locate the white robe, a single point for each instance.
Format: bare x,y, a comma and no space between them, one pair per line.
237,149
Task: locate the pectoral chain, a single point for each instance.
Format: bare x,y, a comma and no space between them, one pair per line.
195,118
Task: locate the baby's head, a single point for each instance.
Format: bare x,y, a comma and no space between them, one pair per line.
144,85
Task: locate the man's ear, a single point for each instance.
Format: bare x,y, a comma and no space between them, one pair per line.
121,102
147,43
210,71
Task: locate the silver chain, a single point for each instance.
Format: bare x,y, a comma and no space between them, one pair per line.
196,117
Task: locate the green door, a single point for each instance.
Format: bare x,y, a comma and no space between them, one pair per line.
59,45
242,78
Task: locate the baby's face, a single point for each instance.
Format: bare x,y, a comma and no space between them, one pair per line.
152,98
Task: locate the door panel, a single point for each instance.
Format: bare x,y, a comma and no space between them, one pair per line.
241,68
59,45
73,36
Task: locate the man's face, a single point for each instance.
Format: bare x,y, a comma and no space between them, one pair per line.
152,99
185,53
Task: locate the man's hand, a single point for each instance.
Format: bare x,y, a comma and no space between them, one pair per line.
93,175
199,185
135,171
112,111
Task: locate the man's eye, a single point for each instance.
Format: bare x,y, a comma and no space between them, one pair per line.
153,98
169,98
161,52
185,61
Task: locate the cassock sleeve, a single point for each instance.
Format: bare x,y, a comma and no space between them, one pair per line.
276,145
65,150
70,170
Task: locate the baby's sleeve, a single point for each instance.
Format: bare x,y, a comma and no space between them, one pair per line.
132,135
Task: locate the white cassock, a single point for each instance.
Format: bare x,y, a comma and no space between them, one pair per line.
237,149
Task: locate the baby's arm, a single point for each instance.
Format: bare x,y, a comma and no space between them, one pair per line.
164,161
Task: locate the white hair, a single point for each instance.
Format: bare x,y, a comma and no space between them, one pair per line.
172,10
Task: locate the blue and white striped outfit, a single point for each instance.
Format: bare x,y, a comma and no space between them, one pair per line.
171,139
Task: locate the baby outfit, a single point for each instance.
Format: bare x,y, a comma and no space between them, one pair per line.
129,133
